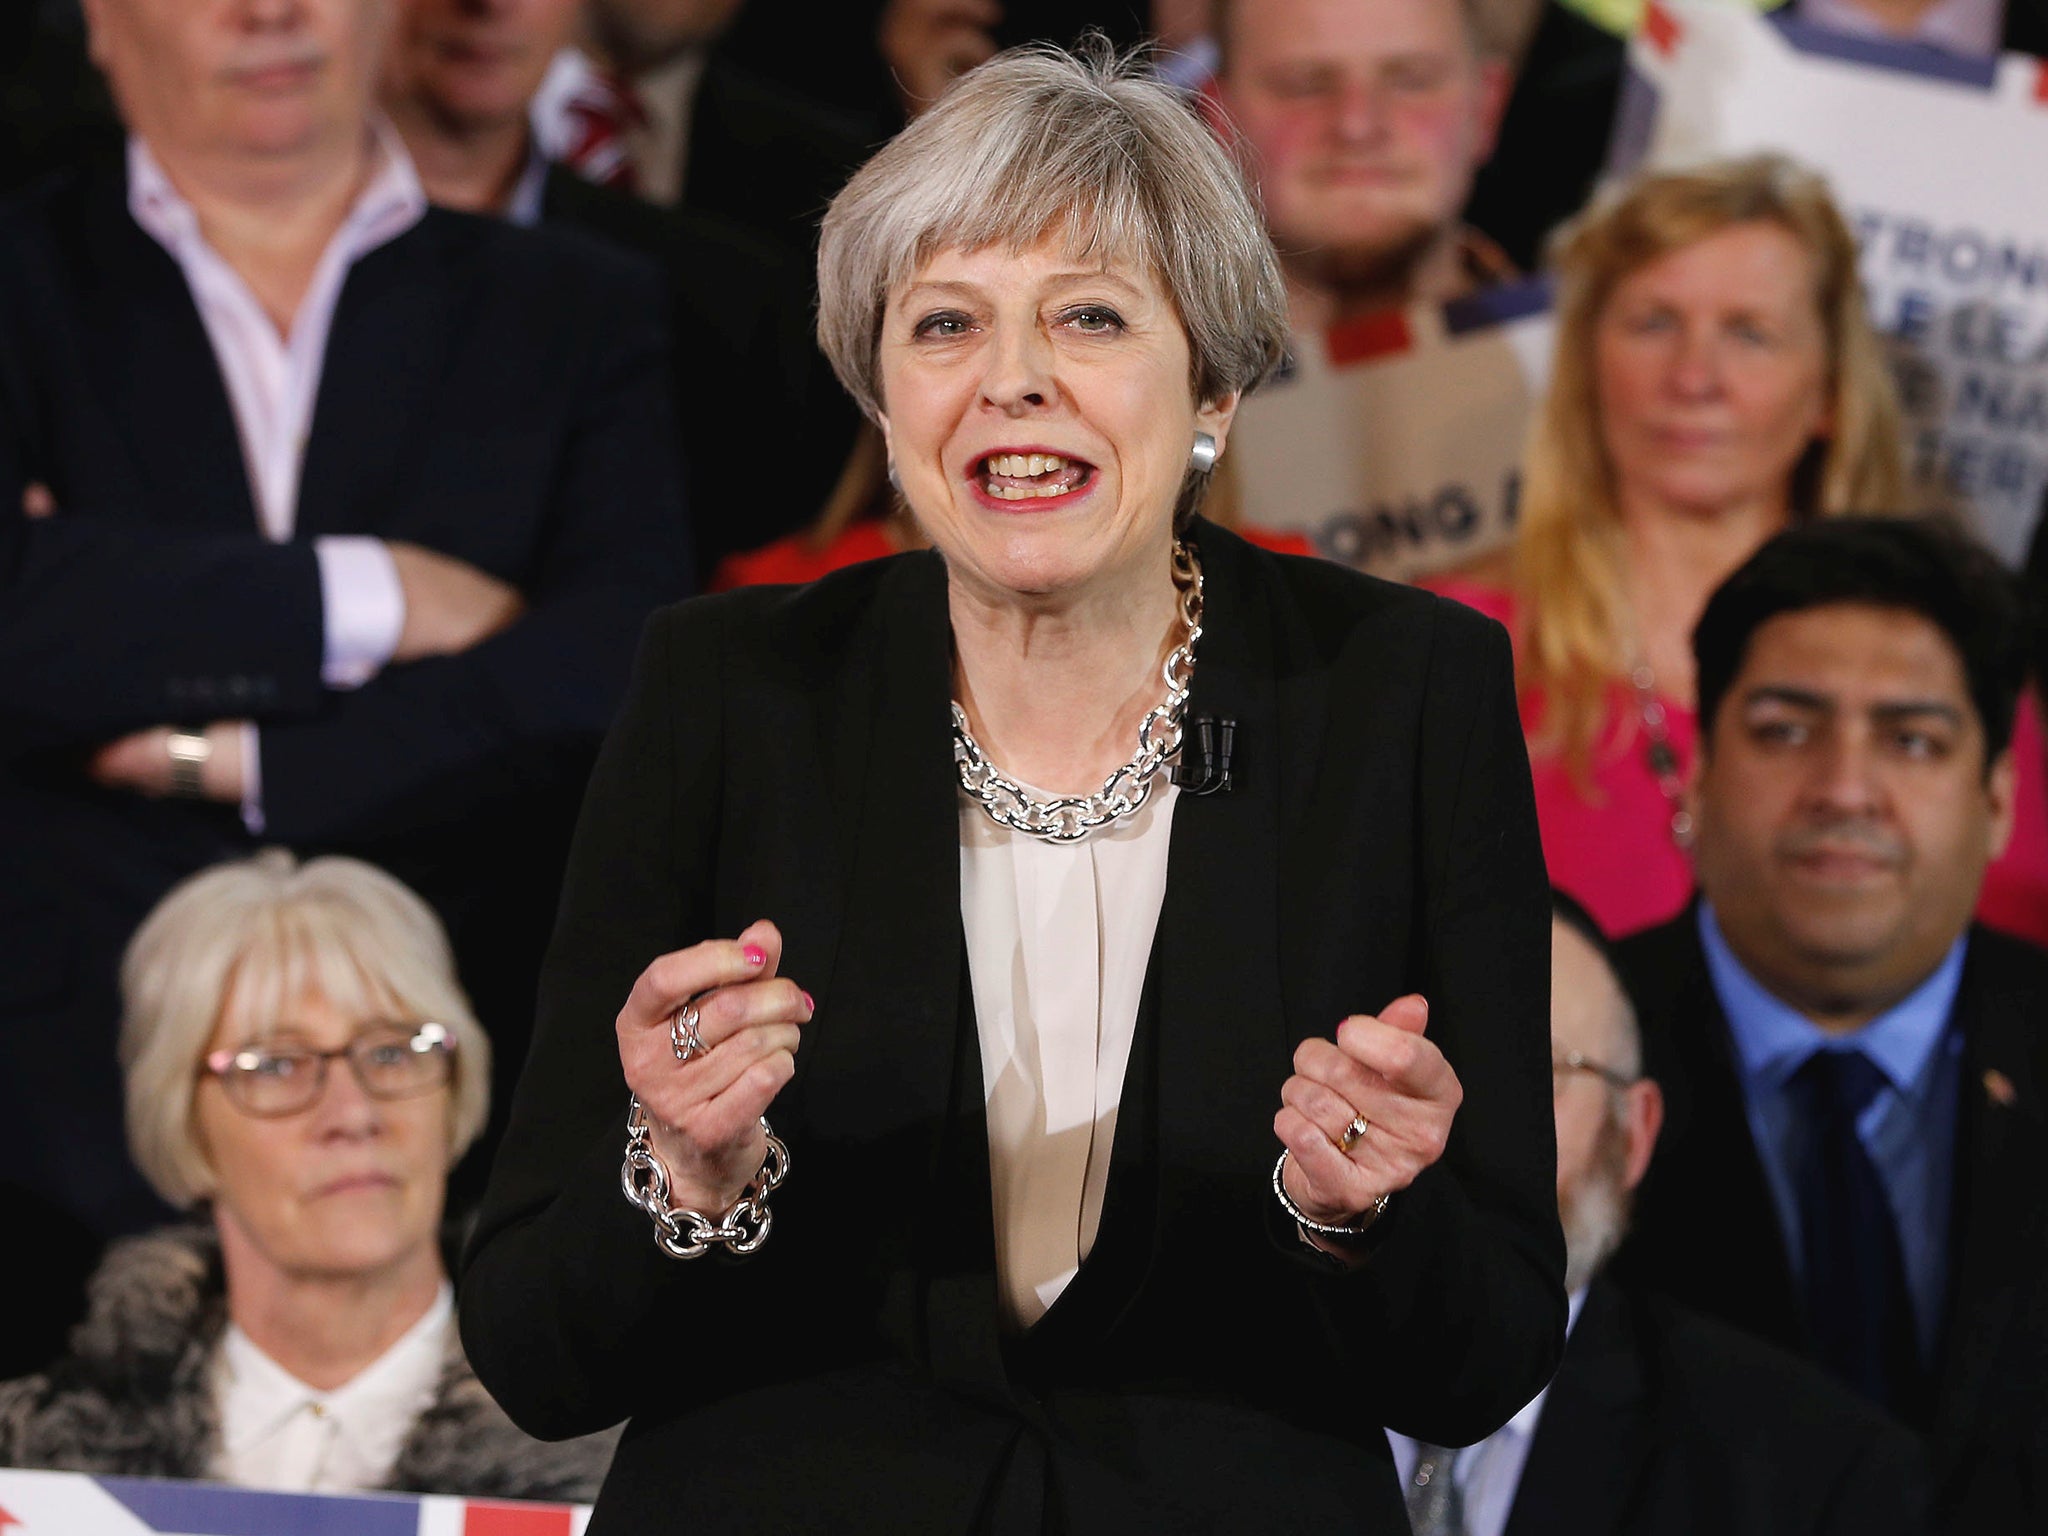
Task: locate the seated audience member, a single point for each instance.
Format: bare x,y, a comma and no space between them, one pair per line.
396,623
1659,1421
1364,121
302,1069
651,106
1854,1072
751,386
1715,380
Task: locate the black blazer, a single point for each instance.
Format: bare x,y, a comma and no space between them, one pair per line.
786,753
493,393
1706,1232
1662,1422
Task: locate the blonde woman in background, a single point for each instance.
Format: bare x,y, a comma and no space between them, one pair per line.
301,1069
1716,380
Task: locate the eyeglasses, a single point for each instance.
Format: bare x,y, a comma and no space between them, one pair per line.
391,1061
1576,1061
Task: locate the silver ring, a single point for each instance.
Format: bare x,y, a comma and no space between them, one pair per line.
1353,1133
683,1038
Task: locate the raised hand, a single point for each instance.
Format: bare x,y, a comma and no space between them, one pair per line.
705,1113
1381,1069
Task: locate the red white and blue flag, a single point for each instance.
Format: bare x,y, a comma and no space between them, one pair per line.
69,1504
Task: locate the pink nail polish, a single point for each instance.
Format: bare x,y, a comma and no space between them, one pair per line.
810,1003
754,954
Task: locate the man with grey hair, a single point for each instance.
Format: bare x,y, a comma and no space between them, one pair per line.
1365,122
1659,1422
327,518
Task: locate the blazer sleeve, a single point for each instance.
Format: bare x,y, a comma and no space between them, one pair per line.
1459,1314
423,740
570,1315
109,626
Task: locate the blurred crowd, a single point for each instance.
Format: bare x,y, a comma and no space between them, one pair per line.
371,369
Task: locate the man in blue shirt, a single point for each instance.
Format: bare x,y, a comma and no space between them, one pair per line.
1853,1071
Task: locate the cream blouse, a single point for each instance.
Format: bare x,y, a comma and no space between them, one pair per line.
1058,937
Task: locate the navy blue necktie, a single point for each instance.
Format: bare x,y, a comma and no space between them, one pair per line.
1859,1311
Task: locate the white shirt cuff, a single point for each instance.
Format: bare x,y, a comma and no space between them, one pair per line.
363,607
252,779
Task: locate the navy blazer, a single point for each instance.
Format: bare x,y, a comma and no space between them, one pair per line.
496,394
1707,1233
786,753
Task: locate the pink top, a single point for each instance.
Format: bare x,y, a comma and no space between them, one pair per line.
1614,852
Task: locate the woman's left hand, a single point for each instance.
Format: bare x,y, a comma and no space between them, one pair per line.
1381,1069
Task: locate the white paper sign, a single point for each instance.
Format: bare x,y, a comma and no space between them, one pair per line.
1941,165
1395,442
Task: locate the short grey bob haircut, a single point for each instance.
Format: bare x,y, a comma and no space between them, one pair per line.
1087,148
258,935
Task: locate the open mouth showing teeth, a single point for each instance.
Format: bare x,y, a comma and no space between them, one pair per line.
1031,476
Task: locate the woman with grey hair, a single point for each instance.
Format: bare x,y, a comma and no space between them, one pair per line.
302,1068
1109,849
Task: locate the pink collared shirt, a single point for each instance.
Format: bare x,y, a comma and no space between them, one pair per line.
273,380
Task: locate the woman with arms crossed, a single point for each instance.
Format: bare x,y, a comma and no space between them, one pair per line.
1034,1266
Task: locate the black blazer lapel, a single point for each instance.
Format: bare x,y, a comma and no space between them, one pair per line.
1593,1437
2002,1147
387,352
1223,1050
150,356
908,1093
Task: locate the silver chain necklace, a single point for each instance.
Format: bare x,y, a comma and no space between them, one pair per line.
1069,818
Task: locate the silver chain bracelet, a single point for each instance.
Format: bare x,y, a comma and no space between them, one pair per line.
1308,1222
691,1234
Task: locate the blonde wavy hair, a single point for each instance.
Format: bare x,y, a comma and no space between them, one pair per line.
1567,558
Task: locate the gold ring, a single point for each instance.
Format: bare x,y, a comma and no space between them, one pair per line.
1352,1133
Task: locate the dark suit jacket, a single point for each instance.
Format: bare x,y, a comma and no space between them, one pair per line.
786,752
496,394
1662,1422
1706,1232
763,425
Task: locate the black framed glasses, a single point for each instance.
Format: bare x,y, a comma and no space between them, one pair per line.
1563,1066
391,1061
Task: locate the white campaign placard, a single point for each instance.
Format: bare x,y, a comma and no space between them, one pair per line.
1395,442
1941,165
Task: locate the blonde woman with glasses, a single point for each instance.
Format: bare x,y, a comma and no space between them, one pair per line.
301,1070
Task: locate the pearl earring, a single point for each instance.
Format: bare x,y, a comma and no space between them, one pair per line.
1202,457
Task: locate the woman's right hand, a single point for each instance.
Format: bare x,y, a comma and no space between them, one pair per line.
705,1114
